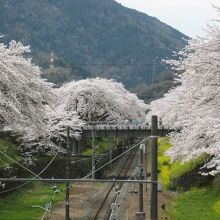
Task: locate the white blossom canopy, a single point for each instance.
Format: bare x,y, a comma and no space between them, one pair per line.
99,99
60,120
23,93
27,102
194,106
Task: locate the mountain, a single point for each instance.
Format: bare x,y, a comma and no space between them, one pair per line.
100,37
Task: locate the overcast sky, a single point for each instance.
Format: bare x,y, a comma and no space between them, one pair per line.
188,16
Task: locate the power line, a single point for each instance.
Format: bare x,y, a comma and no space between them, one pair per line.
114,208
48,207
112,160
20,164
76,161
83,179
76,180
17,187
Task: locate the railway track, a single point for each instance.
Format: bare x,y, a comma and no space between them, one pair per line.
103,210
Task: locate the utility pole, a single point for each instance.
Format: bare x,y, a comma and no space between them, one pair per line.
154,169
141,197
67,205
93,155
140,215
145,162
110,153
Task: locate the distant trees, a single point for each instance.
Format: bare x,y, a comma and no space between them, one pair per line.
99,99
97,36
194,106
163,82
62,72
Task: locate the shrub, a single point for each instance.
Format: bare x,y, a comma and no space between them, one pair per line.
170,171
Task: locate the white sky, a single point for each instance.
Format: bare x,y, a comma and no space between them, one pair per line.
188,16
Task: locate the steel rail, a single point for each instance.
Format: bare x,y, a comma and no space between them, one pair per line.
107,199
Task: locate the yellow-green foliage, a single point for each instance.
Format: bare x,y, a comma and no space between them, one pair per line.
169,171
164,145
216,207
102,145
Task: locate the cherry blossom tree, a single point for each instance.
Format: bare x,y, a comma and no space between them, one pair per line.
99,99
24,94
28,103
59,121
194,106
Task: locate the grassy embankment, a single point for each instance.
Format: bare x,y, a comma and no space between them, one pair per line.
18,204
102,145
196,204
11,150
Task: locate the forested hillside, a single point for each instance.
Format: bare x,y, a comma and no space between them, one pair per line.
90,37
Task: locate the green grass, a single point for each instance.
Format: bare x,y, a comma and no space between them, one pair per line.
102,145
11,150
199,204
170,171
17,205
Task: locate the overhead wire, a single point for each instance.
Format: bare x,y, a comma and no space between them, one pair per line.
114,209
37,175
123,194
47,210
117,157
20,164
17,187
90,173
99,158
76,161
